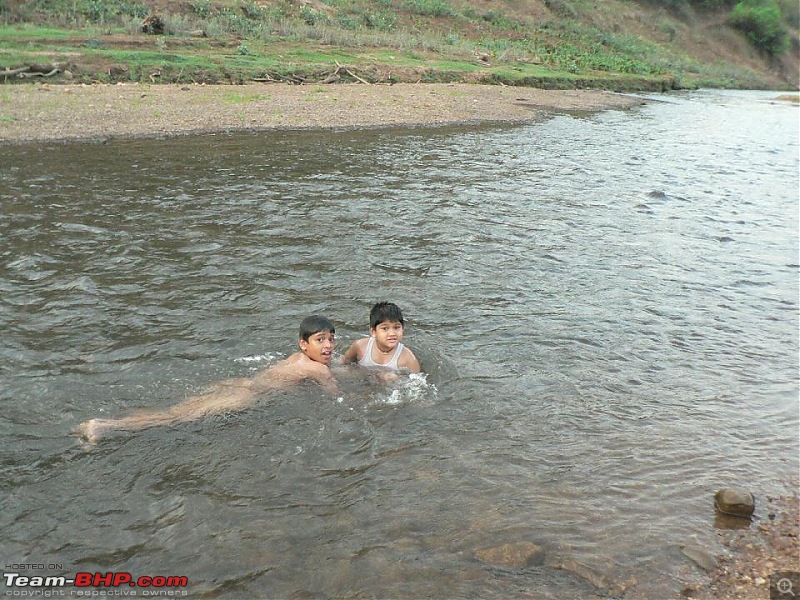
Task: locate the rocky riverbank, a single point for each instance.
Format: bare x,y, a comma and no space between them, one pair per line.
46,112
755,553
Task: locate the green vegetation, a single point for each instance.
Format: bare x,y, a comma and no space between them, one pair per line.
617,44
761,21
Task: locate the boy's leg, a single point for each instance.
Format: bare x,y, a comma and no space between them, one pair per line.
234,394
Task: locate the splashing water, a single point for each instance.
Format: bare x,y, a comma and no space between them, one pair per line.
413,389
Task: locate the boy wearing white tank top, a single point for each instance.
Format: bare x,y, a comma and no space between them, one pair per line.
384,348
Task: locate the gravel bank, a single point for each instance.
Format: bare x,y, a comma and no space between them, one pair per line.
755,554
50,112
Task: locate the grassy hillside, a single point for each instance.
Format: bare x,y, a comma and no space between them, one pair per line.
610,44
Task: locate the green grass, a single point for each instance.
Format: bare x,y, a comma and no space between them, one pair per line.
234,98
24,32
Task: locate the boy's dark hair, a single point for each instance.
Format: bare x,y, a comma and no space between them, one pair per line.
385,311
314,324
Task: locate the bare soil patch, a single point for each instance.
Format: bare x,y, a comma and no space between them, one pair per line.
44,112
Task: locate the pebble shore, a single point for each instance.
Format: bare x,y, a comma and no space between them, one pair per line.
55,112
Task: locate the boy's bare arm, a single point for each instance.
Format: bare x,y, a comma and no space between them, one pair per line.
409,361
325,378
353,353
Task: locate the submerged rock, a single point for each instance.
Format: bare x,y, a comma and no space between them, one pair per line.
700,556
737,502
518,554
604,581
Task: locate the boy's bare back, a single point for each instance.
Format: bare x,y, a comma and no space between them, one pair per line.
294,369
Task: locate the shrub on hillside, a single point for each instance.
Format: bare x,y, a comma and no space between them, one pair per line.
761,21
430,8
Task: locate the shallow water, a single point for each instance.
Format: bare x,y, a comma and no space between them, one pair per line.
606,308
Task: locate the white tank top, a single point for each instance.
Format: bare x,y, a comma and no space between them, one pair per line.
366,360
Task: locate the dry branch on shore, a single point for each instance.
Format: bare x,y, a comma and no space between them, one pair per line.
333,77
28,71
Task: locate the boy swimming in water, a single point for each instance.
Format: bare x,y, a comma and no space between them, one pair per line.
384,347
316,341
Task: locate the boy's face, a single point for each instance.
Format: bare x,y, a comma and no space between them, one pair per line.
387,335
319,347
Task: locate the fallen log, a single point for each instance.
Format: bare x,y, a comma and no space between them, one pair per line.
29,74
354,76
28,71
13,72
349,72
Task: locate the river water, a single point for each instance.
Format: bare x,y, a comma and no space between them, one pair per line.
605,307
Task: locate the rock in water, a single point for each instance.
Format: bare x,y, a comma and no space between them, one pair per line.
730,501
701,557
519,554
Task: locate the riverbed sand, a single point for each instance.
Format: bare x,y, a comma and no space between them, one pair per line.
48,112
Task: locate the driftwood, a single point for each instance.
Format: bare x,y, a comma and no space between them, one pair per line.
29,71
268,78
12,72
349,72
333,77
50,73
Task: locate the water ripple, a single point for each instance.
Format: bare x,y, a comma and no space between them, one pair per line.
609,333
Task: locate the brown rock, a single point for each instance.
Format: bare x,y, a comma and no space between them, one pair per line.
605,583
117,71
518,554
731,501
700,556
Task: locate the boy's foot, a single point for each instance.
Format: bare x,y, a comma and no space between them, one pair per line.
91,431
